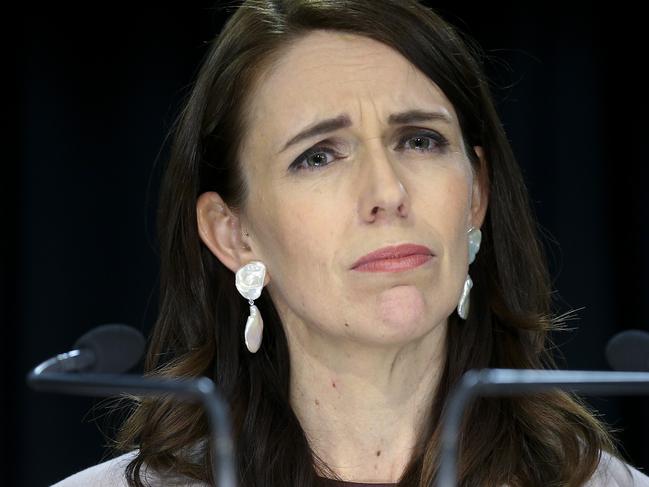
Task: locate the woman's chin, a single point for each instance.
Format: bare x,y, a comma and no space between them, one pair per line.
401,312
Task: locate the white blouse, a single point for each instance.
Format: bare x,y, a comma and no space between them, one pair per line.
611,472
111,474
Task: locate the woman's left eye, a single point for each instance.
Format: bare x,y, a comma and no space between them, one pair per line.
424,141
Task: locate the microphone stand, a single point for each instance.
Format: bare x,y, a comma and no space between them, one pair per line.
203,390
510,382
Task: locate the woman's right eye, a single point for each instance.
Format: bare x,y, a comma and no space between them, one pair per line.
312,159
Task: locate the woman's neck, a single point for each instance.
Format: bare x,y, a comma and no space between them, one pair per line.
362,407
342,483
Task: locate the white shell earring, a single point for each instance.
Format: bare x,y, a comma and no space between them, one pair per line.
475,238
250,281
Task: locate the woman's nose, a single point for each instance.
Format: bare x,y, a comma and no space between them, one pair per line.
383,195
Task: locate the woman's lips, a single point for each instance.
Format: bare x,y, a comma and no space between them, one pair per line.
394,259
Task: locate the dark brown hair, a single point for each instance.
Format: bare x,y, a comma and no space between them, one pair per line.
540,440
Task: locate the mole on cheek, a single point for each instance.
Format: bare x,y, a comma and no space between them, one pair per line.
378,453
333,384
347,325
317,403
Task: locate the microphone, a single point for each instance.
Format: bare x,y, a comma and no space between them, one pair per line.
510,382
110,348
94,368
629,350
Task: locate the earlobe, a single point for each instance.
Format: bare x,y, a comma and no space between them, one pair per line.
219,229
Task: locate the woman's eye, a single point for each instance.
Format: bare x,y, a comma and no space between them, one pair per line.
423,142
313,159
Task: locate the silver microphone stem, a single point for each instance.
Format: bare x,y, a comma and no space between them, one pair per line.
510,382
203,390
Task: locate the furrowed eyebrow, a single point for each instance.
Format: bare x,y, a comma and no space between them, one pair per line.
343,120
413,116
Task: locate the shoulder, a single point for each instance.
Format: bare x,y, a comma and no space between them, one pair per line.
111,474
613,472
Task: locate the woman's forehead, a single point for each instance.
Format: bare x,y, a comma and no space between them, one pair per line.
326,73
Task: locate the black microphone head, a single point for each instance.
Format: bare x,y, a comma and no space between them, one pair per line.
117,348
629,351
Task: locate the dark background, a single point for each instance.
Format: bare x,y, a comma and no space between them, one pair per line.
95,93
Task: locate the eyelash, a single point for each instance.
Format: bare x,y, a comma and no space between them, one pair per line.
436,138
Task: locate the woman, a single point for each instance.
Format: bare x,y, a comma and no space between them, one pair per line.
344,232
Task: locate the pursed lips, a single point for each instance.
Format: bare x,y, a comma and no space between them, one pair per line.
394,258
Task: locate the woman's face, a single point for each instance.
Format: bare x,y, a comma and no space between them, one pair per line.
318,203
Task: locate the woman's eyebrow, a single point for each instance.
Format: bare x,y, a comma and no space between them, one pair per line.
343,120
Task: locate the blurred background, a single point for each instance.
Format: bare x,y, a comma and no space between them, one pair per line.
94,95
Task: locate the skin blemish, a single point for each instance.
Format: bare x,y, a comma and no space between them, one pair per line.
317,403
347,325
378,453
333,384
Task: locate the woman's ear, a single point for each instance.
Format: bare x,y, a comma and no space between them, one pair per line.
480,195
220,230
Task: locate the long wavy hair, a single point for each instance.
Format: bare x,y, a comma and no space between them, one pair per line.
548,439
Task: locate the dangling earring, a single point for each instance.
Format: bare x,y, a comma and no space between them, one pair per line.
475,237
250,281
